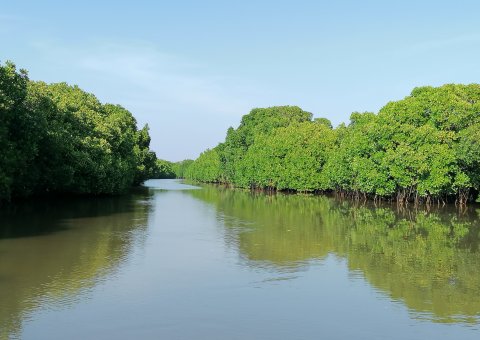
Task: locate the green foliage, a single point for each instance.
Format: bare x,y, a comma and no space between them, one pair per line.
164,169
257,123
59,139
291,158
355,163
423,147
206,168
145,159
324,121
20,132
180,168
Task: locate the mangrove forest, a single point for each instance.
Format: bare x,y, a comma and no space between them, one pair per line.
424,148
59,139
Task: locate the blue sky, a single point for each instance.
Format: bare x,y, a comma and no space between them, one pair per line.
191,69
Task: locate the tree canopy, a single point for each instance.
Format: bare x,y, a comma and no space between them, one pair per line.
422,148
57,138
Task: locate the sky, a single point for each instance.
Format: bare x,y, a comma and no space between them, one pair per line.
191,69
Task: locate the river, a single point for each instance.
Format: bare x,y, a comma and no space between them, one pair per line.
175,261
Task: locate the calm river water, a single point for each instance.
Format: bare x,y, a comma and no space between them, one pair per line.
172,261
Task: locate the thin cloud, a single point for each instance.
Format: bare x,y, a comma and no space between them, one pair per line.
149,73
179,98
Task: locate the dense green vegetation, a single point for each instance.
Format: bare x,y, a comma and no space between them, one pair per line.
59,139
164,169
181,167
425,147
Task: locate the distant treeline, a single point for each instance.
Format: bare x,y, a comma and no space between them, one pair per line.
166,169
59,139
425,147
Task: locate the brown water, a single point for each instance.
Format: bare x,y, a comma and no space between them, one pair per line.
177,262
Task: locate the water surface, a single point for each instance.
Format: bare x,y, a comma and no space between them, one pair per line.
175,261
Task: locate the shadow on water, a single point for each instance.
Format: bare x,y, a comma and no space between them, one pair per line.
429,260
83,242
41,216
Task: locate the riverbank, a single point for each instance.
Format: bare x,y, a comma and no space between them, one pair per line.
422,149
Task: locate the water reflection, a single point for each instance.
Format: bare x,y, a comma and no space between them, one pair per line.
97,265
428,260
54,251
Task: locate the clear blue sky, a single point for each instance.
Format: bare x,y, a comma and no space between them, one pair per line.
191,69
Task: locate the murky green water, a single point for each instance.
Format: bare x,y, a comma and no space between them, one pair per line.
175,262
